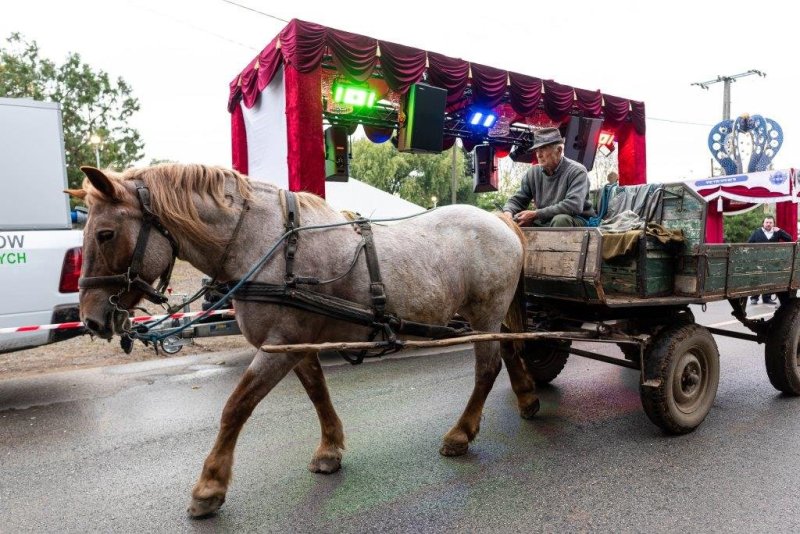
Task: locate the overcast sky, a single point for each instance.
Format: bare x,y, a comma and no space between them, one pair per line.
179,57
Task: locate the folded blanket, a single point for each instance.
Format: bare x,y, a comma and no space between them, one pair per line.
619,242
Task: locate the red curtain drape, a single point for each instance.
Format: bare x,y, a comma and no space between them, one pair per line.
305,146
239,141
786,217
632,155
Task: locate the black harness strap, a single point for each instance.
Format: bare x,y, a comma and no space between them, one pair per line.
376,288
291,223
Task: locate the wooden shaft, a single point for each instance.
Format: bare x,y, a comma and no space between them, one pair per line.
472,338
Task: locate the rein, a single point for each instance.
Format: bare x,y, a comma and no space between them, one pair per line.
130,279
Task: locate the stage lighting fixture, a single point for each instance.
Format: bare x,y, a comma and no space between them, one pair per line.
358,96
483,118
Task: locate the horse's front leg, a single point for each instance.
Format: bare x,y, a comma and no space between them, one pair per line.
328,456
261,376
487,367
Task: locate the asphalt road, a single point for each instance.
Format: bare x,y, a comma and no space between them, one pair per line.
119,448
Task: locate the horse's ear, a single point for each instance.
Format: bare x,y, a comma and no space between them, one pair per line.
77,193
100,181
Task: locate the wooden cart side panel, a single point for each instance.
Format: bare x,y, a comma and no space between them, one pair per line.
563,263
558,254
759,267
795,283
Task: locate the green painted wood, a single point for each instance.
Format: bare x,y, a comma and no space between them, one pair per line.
564,288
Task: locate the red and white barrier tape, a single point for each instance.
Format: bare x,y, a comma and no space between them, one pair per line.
139,319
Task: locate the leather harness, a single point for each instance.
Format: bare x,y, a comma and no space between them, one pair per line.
289,294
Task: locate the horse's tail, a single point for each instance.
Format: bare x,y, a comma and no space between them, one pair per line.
515,320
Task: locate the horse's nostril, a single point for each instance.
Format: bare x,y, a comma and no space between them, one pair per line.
92,325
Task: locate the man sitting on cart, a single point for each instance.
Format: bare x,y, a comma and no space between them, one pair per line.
768,233
557,186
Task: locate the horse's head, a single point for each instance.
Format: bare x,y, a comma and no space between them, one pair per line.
125,249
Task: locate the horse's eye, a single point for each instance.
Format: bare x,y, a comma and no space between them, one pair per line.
105,235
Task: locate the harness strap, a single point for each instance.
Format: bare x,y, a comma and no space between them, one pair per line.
376,288
337,308
291,222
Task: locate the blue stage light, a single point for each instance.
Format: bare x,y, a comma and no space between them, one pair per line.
482,118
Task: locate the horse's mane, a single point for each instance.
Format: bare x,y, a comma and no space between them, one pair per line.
173,185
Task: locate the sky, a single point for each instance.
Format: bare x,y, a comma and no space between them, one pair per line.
179,57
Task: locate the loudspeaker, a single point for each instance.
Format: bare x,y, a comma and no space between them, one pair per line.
423,129
484,161
580,141
521,154
336,167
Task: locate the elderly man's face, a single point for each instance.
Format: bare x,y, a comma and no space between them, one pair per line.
549,156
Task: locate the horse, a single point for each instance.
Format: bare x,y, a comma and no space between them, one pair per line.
451,260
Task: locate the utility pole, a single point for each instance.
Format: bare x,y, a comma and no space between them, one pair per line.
726,95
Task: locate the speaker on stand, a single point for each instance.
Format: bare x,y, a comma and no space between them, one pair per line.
484,161
336,156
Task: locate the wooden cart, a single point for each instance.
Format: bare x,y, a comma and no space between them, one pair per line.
640,301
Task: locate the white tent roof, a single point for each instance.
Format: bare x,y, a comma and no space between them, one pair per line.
368,201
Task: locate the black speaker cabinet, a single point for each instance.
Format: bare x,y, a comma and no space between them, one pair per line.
485,169
580,141
423,129
336,167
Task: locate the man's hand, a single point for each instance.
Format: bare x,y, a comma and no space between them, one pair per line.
525,218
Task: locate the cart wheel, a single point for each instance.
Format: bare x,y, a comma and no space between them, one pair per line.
171,345
545,359
686,360
781,351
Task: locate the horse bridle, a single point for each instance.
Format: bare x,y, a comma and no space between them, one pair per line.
131,280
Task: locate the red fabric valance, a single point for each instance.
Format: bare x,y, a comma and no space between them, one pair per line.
402,65
304,45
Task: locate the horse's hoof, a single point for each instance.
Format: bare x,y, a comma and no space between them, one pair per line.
325,465
529,411
202,508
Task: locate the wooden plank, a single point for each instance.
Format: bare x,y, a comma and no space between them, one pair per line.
558,254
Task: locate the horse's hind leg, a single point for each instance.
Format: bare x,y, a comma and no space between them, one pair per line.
328,456
264,373
487,366
521,381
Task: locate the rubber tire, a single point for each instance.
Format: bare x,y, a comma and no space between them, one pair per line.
675,350
781,349
545,363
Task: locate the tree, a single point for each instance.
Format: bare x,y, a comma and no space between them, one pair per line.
415,177
91,104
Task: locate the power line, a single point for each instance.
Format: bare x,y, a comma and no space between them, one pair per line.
190,25
248,8
678,122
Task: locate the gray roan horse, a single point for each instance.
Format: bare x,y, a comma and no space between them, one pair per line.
455,259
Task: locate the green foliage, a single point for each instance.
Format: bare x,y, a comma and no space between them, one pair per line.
739,227
91,103
414,177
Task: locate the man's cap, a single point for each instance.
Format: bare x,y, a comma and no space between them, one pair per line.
546,136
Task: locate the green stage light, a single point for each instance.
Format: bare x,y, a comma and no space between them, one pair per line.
358,96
